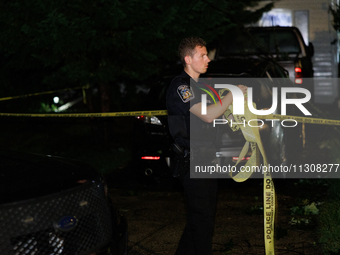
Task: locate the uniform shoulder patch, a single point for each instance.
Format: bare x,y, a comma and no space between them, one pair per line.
185,93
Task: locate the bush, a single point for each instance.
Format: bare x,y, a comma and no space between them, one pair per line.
329,220
329,227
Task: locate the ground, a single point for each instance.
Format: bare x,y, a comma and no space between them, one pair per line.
156,219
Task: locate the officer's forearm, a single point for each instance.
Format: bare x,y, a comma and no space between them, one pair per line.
214,111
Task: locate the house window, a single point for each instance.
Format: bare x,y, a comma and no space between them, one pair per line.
277,17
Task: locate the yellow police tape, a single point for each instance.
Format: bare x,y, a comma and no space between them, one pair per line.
303,119
253,140
44,93
87,115
164,112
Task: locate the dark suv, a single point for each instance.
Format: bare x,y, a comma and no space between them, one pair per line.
152,138
53,206
283,45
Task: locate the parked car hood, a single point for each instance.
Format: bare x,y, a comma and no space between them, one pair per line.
25,176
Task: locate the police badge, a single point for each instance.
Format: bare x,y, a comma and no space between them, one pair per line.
185,93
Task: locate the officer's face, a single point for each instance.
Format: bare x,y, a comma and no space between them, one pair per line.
199,61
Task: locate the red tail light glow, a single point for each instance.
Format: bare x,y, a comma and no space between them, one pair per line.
298,70
150,158
244,158
298,75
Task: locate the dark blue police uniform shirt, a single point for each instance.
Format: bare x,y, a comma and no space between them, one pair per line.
179,99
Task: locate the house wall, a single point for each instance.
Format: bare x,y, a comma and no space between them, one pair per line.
319,17
326,46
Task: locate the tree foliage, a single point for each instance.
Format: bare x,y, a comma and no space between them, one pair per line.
55,44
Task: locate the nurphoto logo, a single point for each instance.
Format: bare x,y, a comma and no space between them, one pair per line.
238,100
238,105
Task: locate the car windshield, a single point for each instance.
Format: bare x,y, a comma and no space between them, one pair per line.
261,41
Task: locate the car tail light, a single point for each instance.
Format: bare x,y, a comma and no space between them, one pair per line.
298,72
141,118
244,158
150,158
149,119
298,75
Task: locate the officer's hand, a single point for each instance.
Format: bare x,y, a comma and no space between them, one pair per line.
243,88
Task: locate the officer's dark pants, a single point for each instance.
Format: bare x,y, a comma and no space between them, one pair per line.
201,206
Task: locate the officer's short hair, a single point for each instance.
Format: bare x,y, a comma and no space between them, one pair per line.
187,47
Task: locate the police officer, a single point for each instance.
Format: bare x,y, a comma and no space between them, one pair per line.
183,105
